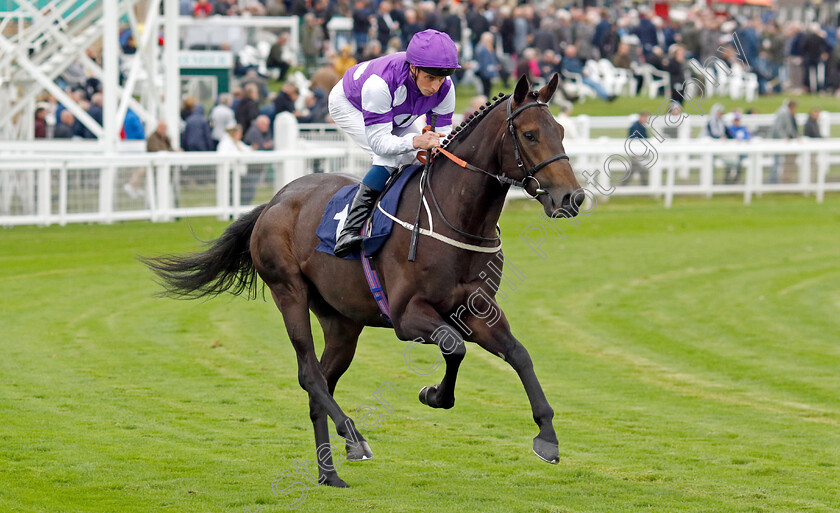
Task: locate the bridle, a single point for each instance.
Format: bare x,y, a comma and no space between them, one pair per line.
503,179
528,174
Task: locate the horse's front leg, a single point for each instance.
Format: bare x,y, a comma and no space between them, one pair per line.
420,323
498,340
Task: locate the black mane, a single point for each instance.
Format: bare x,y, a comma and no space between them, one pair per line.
470,122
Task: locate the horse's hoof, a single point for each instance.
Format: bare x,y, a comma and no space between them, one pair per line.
424,395
428,396
333,480
547,451
359,451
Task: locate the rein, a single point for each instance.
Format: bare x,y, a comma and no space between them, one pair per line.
529,173
503,180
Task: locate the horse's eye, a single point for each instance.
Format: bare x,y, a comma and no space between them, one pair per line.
530,136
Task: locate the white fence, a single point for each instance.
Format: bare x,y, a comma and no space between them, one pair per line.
64,188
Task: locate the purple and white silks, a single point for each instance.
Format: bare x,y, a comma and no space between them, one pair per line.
377,102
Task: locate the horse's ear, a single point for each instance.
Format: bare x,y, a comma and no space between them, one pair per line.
523,87
548,90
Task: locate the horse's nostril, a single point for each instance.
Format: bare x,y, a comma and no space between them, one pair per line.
579,198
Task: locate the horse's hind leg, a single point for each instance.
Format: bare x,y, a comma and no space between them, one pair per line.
340,338
292,299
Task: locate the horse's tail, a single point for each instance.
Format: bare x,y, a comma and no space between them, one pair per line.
225,266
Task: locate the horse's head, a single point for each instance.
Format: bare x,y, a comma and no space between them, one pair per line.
532,150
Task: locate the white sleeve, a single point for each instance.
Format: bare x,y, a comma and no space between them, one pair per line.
383,142
376,108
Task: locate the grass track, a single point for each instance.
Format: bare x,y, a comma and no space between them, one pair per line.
690,355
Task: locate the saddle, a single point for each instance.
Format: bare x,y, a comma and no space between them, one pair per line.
378,226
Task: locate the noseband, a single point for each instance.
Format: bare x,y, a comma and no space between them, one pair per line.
528,173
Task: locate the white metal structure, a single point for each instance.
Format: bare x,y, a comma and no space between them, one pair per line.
51,39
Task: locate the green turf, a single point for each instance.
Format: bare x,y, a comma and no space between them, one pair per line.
691,356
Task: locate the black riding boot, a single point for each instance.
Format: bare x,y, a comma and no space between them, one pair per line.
351,236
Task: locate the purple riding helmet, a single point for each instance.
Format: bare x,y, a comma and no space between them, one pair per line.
433,52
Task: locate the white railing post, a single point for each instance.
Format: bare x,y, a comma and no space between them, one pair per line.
669,186
164,188
44,196
151,197
805,171
62,194
707,174
584,126
106,193
286,137
223,178
822,171
240,169
753,168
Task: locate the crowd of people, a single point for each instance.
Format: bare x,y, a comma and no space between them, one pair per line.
784,56
504,41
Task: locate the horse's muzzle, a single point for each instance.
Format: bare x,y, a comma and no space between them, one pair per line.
569,206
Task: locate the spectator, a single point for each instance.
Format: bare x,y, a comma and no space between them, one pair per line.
386,24
487,68
622,59
276,56
133,127
784,127
94,111
528,64
252,77
476,21
196,135
476,103
410,27
64,127
344,61
231,143
676,70
220,117
40,123
316,104
815,51
311,41
258,138
361,25
740,133
185,7
226,8
159,140
286,98
373,50
812,126
187,107
202,9
638,130
715,127
259,135
571,64
326,77
248,108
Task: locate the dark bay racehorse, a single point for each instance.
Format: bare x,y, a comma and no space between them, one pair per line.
514,141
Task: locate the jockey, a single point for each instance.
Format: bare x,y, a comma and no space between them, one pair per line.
376,104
